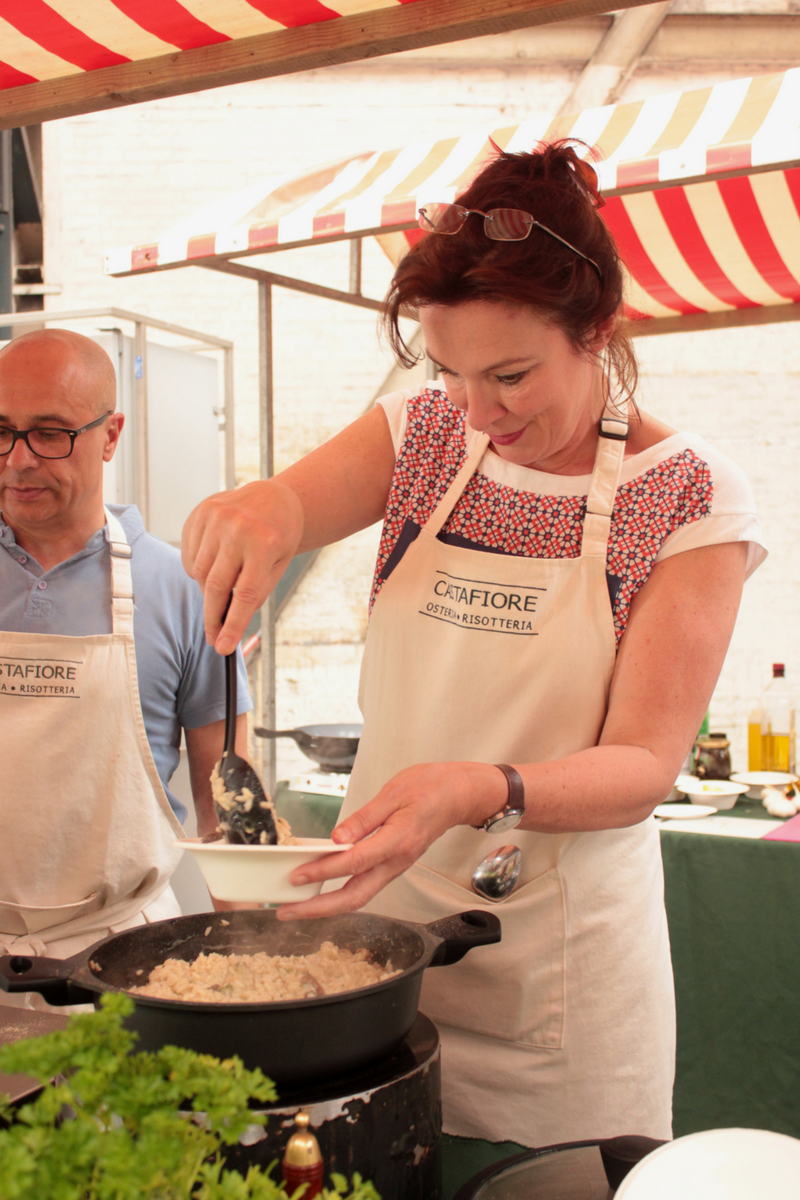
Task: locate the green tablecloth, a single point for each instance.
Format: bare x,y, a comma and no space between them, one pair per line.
733,907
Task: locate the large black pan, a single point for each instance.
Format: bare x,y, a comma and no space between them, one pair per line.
292,1041
332,747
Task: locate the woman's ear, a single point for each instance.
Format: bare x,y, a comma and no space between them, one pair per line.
603,334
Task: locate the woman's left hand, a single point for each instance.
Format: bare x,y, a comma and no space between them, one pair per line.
391,832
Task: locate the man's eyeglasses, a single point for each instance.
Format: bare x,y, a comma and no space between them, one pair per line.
500,224
46,443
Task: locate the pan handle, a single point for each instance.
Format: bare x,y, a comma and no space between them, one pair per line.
462,931
259,731
51,977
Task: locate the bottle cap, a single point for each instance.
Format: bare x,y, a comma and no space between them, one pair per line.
302,1149
778,670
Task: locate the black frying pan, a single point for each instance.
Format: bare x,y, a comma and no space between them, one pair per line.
332,747
292,1041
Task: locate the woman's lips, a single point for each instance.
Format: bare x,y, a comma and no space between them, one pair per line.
507,439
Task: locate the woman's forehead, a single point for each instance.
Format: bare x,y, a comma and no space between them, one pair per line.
488,333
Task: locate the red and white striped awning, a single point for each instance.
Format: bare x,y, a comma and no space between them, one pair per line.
59,57
702,189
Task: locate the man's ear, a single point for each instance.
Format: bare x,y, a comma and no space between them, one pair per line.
115,424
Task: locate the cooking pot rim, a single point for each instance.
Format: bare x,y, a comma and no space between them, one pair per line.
85,976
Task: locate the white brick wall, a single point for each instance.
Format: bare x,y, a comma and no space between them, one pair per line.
119,177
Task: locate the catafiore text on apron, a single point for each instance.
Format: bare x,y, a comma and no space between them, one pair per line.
483,604
40,677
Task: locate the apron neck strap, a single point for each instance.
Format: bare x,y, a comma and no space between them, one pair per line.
121,583
602,489
605,479
451,497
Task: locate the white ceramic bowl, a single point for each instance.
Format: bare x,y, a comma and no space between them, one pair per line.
757,780
722,793
259,873
718,1164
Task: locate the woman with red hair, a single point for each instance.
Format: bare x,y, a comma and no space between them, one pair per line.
556,588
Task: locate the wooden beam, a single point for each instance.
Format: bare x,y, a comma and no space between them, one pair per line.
697,322
614,60
345,39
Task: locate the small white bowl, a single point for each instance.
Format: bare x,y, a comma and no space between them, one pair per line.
719,792
259,873
757,780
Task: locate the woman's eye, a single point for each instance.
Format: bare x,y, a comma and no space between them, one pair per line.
512,378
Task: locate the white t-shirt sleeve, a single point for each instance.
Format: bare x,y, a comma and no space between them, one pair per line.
395,405
733,516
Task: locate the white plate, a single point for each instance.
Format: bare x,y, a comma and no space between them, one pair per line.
718,1164
259,873
722,792
756,780
683,812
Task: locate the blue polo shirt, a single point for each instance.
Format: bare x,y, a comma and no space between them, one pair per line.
181,678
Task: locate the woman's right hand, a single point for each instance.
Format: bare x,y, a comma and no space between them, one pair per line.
240,541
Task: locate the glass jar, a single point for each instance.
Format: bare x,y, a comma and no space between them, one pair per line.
711,757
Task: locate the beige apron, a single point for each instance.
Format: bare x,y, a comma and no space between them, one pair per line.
88,832
566,1029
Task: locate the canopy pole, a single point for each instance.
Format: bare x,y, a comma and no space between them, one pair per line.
266,675
142,432
230,438
355,266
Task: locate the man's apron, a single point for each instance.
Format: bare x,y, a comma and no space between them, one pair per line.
87,845
566,1030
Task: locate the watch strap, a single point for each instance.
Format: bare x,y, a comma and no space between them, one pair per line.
515,804
516,788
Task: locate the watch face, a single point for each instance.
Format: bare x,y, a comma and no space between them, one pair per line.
509,820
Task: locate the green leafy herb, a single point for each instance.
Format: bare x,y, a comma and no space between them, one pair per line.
114,1125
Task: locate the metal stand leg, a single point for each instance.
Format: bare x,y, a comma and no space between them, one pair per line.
266,697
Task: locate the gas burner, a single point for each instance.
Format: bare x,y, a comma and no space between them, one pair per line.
384,1121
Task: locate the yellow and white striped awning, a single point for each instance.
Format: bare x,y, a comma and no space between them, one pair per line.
702,189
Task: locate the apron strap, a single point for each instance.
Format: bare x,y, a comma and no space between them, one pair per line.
602,490
605,480
453,494
121,583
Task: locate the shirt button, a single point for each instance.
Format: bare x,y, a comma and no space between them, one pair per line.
23,558
41,584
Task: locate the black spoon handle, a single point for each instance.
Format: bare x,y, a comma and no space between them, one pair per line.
230,704
230,695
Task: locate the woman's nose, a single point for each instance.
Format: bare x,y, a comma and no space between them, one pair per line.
483,407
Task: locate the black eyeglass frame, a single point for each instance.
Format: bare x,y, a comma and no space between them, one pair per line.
488,217
16,434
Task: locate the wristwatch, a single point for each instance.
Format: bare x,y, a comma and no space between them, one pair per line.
510,816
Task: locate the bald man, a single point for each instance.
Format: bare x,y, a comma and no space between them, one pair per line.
103,661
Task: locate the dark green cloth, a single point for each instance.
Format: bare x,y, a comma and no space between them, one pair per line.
462,1158
733,906
308,813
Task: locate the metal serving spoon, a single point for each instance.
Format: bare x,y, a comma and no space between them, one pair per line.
251,816
495,876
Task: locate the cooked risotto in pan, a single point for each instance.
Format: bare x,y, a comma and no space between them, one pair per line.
261,978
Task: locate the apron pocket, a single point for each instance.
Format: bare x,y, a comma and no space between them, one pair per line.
513,991
19,919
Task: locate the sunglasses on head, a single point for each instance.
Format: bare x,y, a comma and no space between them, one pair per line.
499,224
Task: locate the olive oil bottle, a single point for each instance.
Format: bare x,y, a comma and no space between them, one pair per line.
777,724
